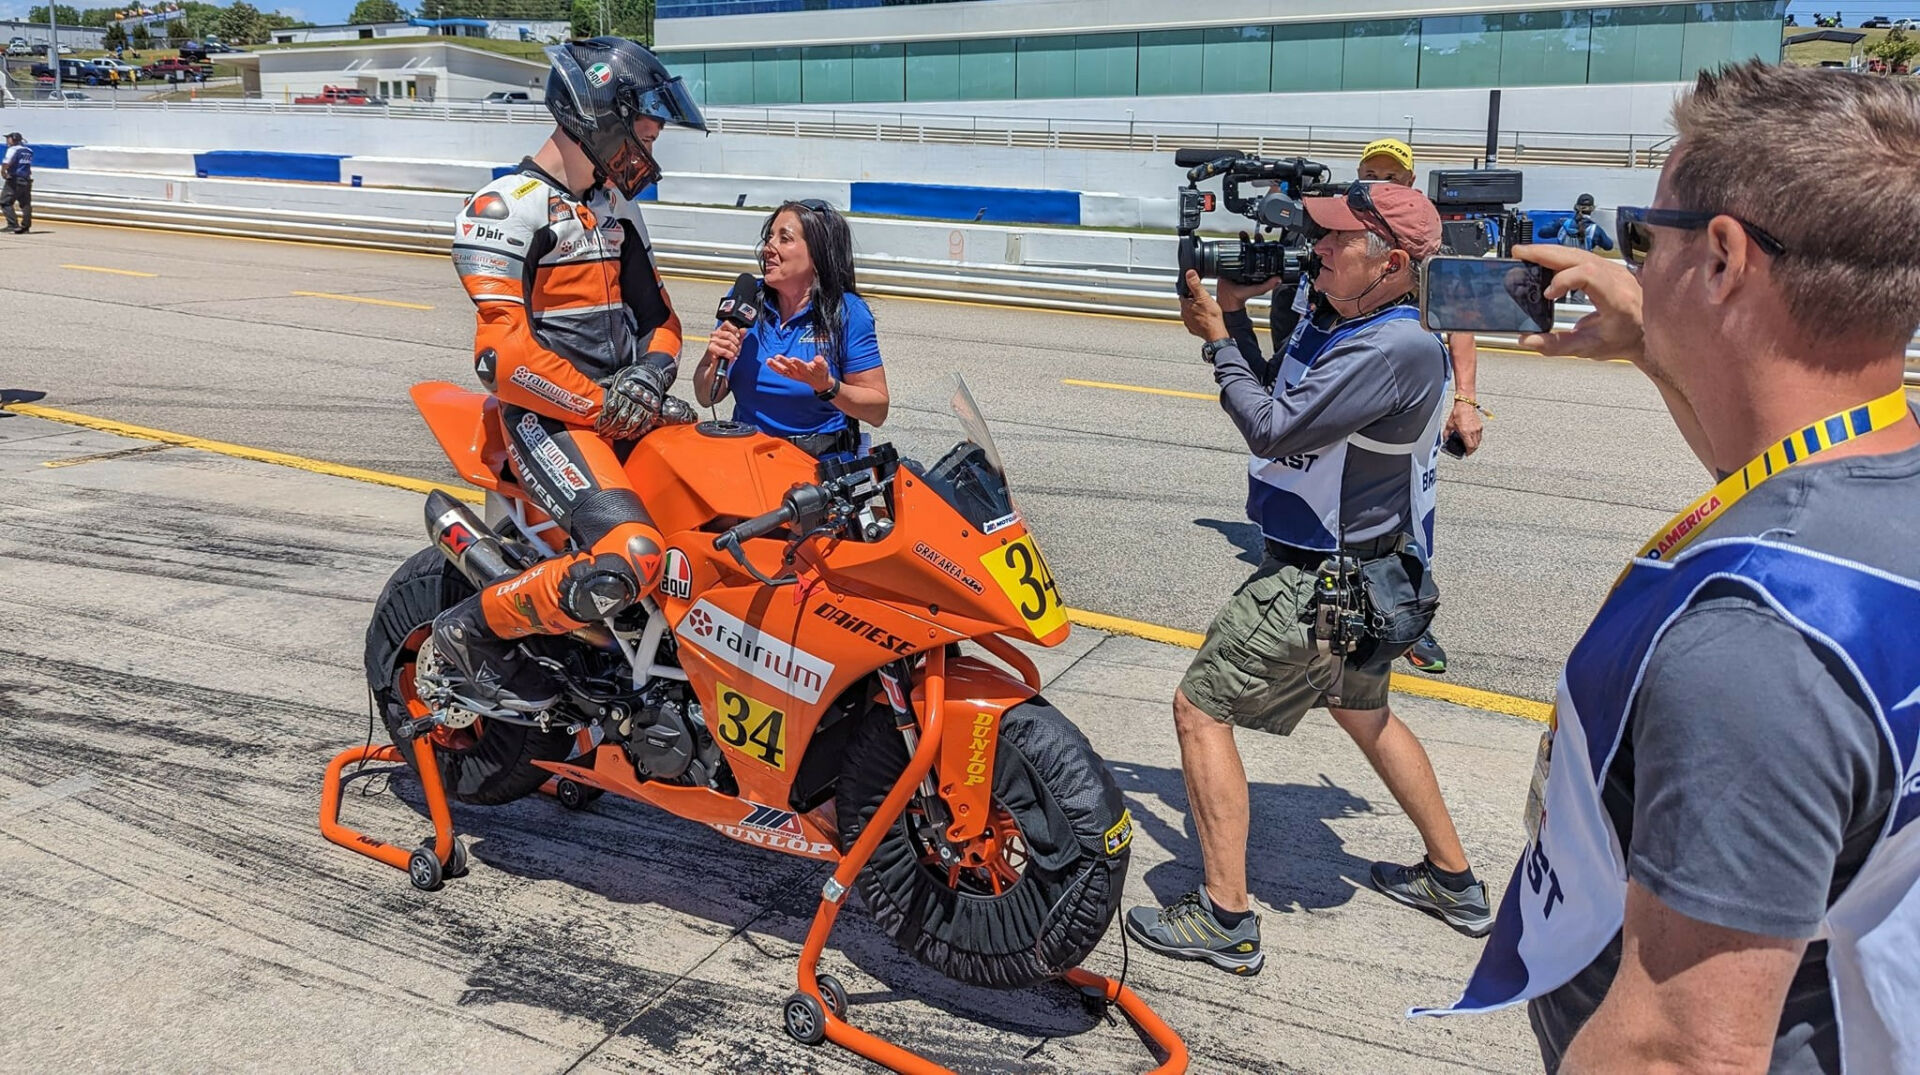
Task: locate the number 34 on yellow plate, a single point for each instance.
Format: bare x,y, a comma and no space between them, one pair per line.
1024,577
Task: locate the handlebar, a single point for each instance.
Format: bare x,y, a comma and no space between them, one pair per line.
757,526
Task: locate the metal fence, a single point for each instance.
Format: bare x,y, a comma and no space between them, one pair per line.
1440,145
1147,293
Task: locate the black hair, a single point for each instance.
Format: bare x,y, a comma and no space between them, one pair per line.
830,246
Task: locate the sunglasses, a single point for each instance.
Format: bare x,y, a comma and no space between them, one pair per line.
1360,200
1637,223
814,205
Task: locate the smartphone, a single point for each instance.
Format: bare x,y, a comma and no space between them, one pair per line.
1455,445
1485,295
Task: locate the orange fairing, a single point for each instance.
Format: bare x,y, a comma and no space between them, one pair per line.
977,696
464,423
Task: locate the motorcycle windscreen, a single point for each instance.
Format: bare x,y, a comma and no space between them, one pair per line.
971,477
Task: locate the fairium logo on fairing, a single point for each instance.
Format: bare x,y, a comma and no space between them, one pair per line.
732,641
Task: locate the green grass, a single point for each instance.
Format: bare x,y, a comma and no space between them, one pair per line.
1815,53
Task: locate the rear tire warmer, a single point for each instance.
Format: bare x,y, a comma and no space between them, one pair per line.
496,766
1064,800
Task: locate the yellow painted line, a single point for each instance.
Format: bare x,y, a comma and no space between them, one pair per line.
150,229
1139,388
116,272
1099,621
358,298
241,451
1419,686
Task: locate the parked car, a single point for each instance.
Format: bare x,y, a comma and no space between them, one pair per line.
175,71
1878,22
1907,24
340,95
126,71
507,97
60,95
19,47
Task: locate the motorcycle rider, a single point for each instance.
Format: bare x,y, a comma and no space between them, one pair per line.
575,336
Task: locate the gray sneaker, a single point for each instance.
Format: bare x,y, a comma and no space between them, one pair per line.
1468,911
1189,930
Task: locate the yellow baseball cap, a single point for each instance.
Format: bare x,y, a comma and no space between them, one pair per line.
1392,147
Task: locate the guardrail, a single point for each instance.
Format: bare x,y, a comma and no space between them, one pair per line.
1147,293
1443,146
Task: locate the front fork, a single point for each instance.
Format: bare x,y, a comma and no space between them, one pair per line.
956,795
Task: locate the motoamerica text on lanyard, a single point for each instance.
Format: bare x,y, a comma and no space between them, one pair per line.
1850,424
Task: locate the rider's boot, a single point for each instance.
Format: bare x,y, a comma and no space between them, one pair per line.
494,671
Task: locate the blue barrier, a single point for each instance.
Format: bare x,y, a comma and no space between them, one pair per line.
245,164
505,169
1000,205
46,156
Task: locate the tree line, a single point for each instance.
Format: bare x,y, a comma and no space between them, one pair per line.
240,23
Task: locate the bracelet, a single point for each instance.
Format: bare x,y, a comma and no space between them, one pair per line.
1474,403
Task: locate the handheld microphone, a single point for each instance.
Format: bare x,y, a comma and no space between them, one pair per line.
740,308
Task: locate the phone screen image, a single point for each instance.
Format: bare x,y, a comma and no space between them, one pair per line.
1485,295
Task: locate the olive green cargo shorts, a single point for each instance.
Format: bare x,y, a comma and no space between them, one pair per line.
1258,667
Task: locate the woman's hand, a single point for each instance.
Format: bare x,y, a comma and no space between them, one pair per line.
814,372
724,344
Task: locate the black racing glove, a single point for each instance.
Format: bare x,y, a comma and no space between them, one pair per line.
635,396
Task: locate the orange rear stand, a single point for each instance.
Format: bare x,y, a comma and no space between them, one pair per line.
822,1013
427,865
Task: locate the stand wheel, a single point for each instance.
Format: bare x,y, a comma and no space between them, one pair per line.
806,1021
456,861
423,869
834,993
572,795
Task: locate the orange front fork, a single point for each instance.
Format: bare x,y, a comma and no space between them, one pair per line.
400,858
892,1056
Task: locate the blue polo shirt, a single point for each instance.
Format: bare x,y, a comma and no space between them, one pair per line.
785,407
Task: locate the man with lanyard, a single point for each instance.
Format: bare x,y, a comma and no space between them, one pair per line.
16,168
1724,866
1344,447
574,334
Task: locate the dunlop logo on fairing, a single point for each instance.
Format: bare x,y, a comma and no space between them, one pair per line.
730,640
977,749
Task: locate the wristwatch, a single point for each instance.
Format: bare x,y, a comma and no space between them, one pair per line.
826,394
1212,348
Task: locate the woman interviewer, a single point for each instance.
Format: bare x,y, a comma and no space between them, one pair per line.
809,369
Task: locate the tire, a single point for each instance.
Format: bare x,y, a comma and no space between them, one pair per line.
491,762
1052,785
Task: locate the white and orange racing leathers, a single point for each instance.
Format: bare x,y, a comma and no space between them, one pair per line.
565,294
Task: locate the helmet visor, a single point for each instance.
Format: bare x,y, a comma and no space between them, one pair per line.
672,105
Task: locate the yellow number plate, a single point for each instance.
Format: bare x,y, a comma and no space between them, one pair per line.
1024,577
756,728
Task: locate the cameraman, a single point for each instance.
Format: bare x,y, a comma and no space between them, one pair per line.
1343,444
1383,160
1579,230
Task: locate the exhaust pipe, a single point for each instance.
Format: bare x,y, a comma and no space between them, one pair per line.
466,542
471,546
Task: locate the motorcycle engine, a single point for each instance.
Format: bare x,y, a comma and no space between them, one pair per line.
666,739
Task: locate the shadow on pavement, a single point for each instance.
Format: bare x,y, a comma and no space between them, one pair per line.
1295,861
1242,534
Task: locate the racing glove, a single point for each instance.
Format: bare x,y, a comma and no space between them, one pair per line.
636,394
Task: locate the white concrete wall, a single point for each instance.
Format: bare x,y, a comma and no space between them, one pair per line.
686,154
143,161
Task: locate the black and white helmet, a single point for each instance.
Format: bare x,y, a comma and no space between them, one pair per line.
598,88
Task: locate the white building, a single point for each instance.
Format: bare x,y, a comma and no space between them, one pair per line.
417,68
78,37
544,30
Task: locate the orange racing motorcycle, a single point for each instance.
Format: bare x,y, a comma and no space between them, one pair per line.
824,671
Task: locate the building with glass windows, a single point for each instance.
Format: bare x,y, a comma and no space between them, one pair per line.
865,52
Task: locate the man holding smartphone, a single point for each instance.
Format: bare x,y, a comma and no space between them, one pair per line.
1724,865
1344,446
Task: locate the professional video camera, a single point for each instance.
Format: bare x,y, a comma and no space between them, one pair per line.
1249,259
1473,199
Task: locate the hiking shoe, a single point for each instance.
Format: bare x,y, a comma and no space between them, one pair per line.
493,672
1467,911
1427,656
1188,930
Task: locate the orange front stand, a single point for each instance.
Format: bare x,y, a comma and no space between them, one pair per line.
834,1024
426,865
